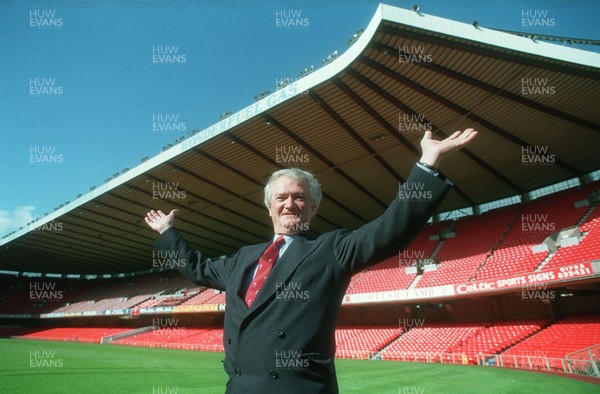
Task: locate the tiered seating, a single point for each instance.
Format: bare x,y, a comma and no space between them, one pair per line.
421,343
344,334
385,276
391,274
497,337
587,250
361,342
204,339
434,341
74,334
168,300
539,219
211,339
158,337
558,340
16,296
121,294
460,257
202,298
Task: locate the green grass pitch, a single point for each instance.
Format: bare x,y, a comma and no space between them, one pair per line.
64,367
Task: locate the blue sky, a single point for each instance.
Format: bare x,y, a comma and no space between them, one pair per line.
79,85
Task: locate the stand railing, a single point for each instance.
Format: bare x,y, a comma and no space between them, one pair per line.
540,363
591,353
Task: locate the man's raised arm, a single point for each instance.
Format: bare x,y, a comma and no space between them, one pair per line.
405,217
190,262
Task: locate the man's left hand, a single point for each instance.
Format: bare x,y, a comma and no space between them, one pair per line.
434,150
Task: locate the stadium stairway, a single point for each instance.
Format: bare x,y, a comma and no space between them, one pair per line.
536,220
588,248
186,338
463,254
127,334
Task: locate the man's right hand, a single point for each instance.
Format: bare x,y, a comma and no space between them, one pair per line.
159,222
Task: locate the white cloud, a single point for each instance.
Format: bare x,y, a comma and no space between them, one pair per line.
18,217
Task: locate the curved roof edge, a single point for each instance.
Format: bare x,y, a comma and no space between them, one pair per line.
490,37
415,20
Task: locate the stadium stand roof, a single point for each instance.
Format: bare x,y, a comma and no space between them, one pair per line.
356,124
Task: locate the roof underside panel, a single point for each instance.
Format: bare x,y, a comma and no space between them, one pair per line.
358,130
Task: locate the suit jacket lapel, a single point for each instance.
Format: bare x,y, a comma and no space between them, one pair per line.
248,262
283,269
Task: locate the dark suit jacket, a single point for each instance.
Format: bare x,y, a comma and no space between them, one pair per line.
285,342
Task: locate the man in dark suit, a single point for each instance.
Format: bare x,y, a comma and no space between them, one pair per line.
283,296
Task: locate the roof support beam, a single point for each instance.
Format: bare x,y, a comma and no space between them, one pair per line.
462,111
397,103
494,89
343,124
367,108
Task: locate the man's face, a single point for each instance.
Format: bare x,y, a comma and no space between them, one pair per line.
290,207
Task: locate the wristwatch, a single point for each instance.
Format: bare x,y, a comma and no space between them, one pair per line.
431,168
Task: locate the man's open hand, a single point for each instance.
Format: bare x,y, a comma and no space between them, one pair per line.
159,222
434,150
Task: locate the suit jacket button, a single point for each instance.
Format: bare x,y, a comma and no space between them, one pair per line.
229,341
238,372
274,375
280,333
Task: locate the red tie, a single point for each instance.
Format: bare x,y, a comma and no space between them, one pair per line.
265,264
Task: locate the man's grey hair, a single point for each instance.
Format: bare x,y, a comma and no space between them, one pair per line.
314,186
